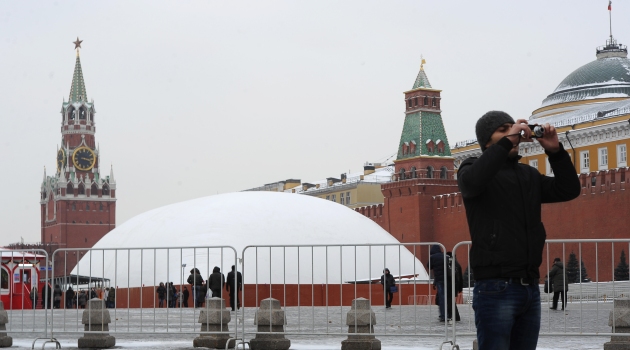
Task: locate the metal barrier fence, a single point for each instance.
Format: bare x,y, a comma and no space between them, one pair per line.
316,284
129,282
589,302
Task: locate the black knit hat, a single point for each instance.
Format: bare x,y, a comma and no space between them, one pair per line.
488,124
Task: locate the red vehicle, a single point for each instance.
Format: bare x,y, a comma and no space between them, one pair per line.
19,274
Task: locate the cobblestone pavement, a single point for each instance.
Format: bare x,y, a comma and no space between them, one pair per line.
402,327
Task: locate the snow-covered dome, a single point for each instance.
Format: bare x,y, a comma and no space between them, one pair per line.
182,233
603,80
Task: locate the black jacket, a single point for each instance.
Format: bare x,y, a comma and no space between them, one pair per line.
436,263
229,284
503,206
388,281
558,278
216,281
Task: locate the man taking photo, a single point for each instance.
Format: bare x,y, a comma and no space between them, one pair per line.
503,207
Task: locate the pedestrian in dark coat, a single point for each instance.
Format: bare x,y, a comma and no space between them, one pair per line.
216,281
161,292
387,280
69,298
111,298
57,293
186,294
196,281
172,295
234,279
436,264
559,283
82,299
453,289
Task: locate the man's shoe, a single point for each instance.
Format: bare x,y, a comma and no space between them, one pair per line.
449,322
553,308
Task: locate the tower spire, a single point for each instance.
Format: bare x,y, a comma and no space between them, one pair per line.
422,81
77,89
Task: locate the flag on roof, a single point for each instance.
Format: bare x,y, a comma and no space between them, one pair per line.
609,5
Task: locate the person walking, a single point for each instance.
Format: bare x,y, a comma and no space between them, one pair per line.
161,292
105,296
34,297
503,199
69,298
436,265
216,281
196,281
185,294
111,298
558,283
234,286
57,293
82,299
172,293
387,280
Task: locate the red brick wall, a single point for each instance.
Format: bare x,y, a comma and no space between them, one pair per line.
433,212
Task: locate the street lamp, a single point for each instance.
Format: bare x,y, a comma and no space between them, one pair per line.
181,286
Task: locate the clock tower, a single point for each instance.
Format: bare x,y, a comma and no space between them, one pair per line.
78,203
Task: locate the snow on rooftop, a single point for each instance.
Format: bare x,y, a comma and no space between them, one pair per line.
250,219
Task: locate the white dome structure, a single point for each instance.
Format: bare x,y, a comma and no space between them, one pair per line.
290,239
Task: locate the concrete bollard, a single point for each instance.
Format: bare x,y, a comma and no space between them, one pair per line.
361,319
621,317
214,318
269,318
96,318
5,340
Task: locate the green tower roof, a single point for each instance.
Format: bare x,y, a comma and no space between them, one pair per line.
422,81
77,90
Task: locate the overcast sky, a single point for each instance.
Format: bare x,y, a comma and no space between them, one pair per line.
197,98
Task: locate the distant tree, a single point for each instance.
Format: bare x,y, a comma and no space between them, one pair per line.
468,275
572,269
621,271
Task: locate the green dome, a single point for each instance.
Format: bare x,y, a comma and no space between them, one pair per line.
603,78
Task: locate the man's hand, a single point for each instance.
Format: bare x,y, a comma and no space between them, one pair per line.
520,132
549,141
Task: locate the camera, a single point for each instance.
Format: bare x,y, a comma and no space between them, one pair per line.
537,130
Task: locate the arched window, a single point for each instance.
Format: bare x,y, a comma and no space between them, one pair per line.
105,190
409,103
402,173
82,113
81,189
413,172
426,101
74,207
87,206
70,113
433,104
429,172
69,190
415,101
100,207
443,172
93,190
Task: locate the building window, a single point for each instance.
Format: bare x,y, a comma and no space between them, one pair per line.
341,199
334,198
443,172
413,172
548,170
348,198
534,163
415,101
426,101
100,207
429,172
74,207
4,280
402,173
87,206
409,103
433,102
585,162
327,198
622,156
603,158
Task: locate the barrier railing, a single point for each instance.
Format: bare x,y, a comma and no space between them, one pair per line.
590,272
316,284
128,281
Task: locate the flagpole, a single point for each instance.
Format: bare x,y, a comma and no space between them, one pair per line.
610,17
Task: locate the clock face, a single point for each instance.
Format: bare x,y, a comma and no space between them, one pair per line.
83,158
61,159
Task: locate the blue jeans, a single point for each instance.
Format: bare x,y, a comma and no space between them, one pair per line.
507,314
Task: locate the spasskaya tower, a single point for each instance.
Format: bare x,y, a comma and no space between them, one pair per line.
78,203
